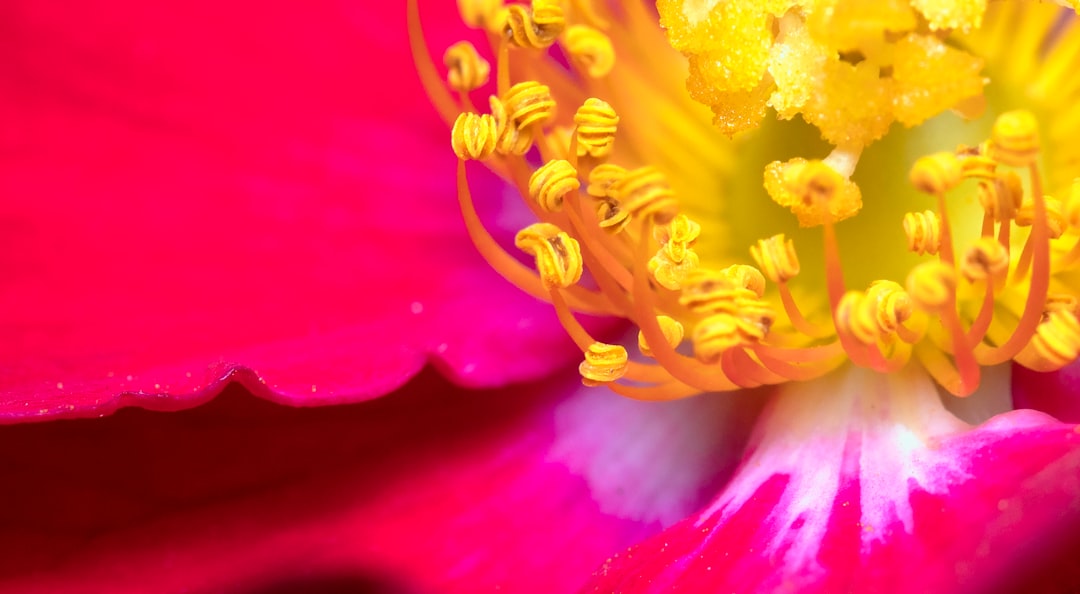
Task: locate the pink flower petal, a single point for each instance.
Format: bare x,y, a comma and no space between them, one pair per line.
245,192
1057,394
431,489
871,486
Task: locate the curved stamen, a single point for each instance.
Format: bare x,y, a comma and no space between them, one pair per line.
681,368
505,264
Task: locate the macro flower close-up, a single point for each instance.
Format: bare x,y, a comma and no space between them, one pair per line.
548,296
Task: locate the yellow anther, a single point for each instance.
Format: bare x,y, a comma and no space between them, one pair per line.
669,273
473,136
923,230
812,190
596,125
723,331
875,314
612,216
677,237
1014,139
776,258
645,192
747,277
1001,197
986,258
707,291
673,334
552,182
937,173
1057,340
558,256
466,70
511,140
931,284
603,178
1072,205
978,166
480,14
548,17
535,28
590,49
855,316
893,304
1056,222
604,363
529,103
716,334
675,258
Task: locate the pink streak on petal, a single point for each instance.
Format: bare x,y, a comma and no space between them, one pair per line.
892,497
238,192
1057,393
432,489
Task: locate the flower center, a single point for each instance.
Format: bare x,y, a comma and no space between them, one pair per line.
961,263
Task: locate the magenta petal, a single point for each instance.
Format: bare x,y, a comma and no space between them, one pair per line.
431,489
1057,393
244,192
864,493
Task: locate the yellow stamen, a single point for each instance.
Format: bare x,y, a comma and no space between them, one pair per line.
923,230
466,70
558,256
603,363
511,140
596,125
776,258
982,255
529,103
535,28
590,49
985,259
473,136
673,334
550,184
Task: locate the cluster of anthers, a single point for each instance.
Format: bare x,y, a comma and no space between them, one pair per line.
611,240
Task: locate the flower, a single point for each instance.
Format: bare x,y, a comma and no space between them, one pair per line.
147,136
214,191
857,462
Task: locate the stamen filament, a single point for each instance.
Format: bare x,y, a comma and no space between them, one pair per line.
655,393
425,67
978,328
577,332
681,368
966,365
743,371
801,355
1040,282
799,321
636,371
796,372
940,368
502,67
607,262
506,265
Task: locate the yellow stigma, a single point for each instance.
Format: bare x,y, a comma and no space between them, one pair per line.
922,239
